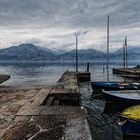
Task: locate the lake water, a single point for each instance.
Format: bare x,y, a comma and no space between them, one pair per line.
47,73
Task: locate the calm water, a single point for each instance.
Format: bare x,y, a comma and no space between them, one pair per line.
42,73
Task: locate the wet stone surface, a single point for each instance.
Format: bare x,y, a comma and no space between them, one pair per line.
51,121
28,119
5,121
52,134
21,131
50,127
10,102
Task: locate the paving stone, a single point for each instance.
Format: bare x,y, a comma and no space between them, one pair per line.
22,118
6,120
49,110
53,134
41,96
80,131
55,90
29,110
51,121
21,131
64,110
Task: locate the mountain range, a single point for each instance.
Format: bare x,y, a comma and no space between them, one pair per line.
30,52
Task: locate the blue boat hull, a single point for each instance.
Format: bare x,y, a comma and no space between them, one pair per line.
113,98
131,127
113,86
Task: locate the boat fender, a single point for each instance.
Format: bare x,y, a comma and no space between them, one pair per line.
121,123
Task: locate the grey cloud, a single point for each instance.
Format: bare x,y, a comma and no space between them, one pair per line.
34,41
51,44
31,17
71,13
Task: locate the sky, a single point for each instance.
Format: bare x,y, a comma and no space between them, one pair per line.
53,23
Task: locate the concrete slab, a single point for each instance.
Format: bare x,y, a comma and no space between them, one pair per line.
50,121
50,110
21,131
29,110
77,129
41,96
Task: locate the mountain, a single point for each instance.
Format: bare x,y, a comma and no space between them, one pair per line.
133,53
26,52
30,52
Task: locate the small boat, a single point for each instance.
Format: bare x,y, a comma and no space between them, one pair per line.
114,86
131,121
123,96
4,77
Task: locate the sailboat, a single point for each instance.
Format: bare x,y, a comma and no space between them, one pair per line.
107,85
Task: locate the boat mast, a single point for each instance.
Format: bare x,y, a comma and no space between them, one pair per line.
126,53
107,48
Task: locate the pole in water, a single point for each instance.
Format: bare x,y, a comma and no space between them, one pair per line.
76,52
126,53
88,67
108,48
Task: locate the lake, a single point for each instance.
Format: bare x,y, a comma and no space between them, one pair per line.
47,73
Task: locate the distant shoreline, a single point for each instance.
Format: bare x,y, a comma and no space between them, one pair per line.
70,61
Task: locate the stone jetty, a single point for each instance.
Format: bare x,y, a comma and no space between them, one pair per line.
44,112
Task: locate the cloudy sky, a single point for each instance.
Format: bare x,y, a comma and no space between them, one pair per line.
52,23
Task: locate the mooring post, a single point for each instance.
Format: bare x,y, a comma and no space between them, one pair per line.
88,67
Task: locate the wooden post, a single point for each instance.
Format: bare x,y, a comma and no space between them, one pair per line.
88,67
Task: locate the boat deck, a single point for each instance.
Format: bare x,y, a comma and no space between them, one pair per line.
127,71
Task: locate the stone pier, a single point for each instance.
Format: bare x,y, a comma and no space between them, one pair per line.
44,112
